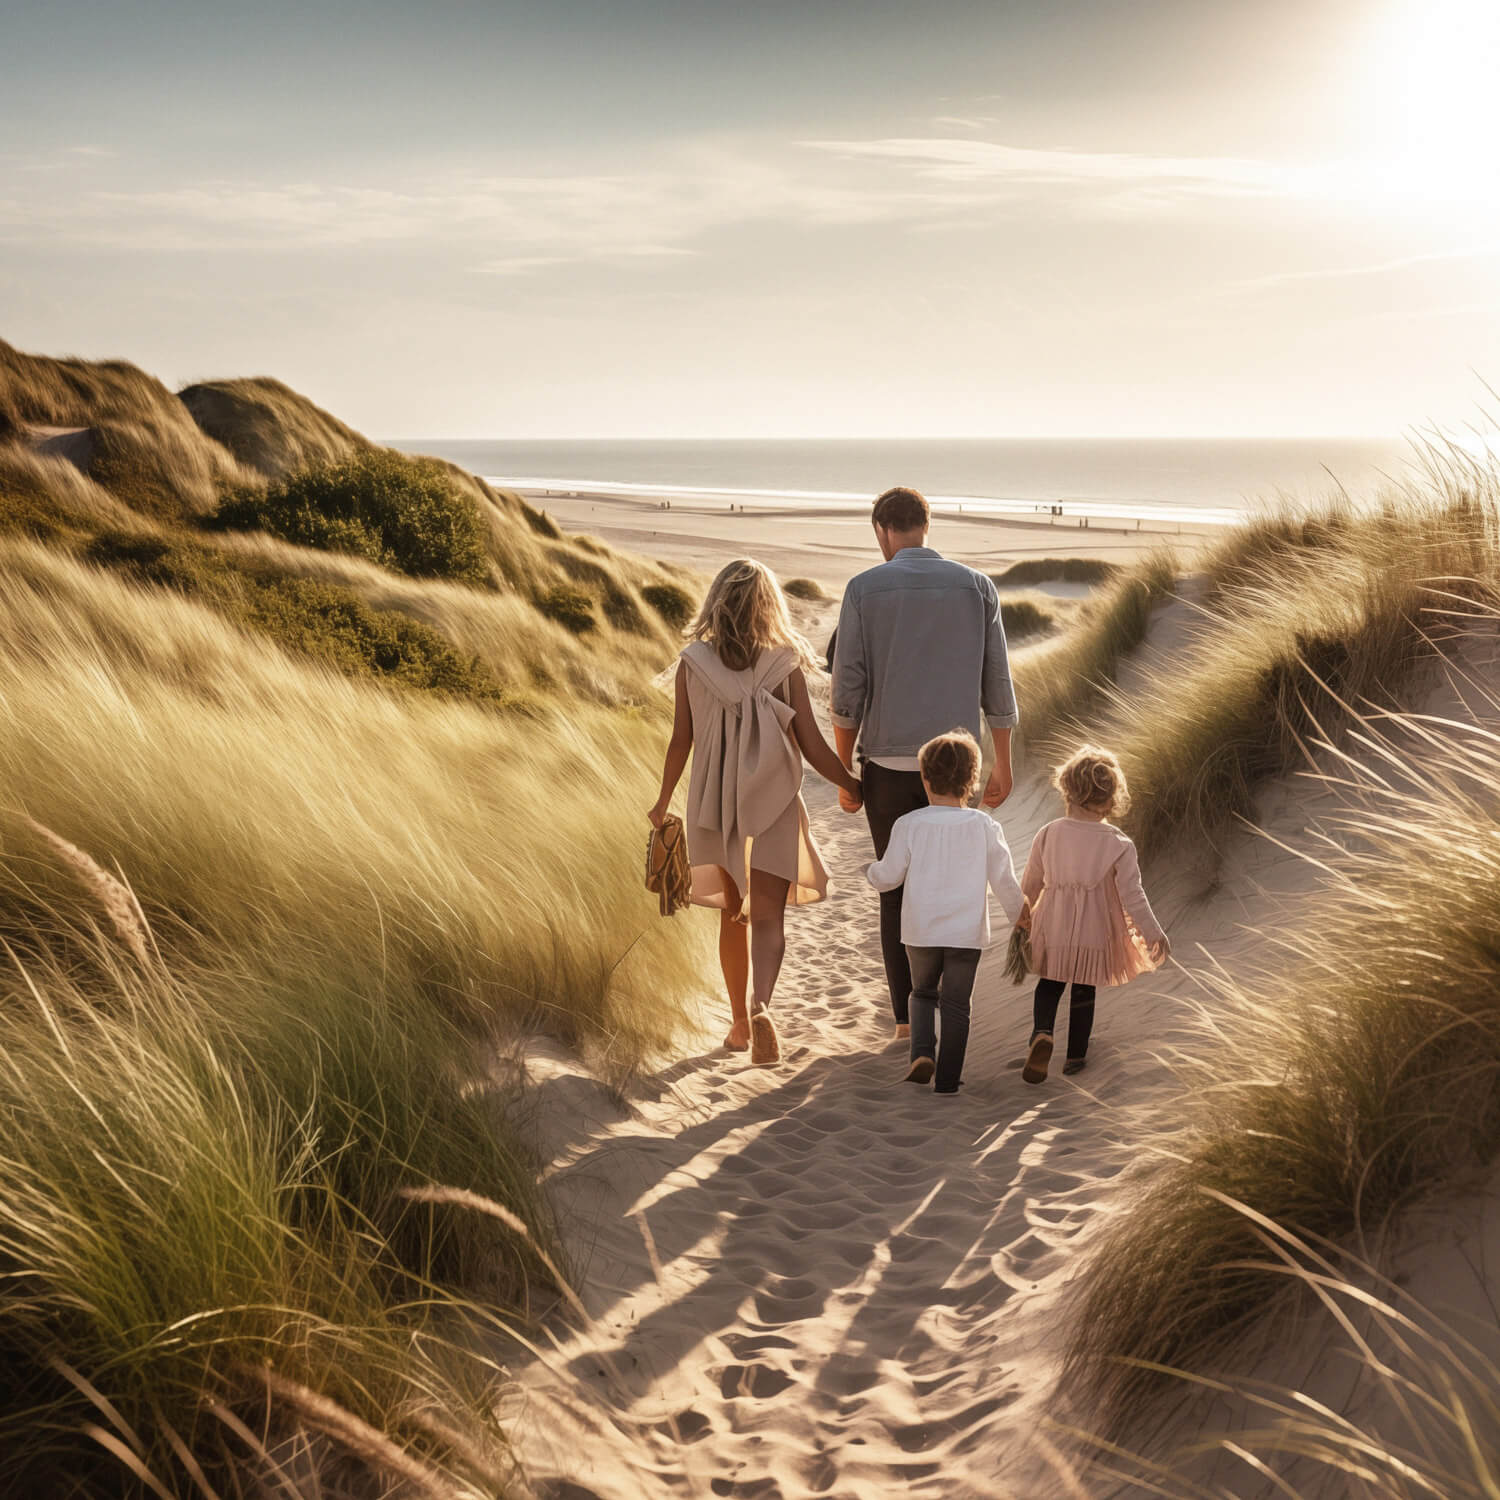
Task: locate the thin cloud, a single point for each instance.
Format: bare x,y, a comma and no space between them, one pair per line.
948,159
1375,268
525,265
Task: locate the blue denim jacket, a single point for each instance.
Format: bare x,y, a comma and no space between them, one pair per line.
920,651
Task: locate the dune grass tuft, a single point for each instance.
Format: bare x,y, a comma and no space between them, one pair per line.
1031,570
1300,635
269,427
808,589
1360,1073
201,1206
401,846
326,622
1032,614
1065,680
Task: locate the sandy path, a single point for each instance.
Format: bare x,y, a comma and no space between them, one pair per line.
819,1280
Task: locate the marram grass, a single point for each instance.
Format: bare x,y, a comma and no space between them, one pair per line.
324,831
206,1248
1358,1073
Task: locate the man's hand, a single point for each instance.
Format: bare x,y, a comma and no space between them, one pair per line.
997,788
851,802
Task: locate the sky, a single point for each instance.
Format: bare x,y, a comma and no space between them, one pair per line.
802,218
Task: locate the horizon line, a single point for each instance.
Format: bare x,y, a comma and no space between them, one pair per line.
885,437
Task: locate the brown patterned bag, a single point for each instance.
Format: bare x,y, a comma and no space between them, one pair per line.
667,870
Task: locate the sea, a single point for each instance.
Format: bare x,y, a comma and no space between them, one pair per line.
1206,480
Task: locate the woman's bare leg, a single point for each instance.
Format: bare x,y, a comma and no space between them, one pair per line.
768,896
734,960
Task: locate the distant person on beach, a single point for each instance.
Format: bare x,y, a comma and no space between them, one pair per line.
919,649
947,857
1087,914
743,710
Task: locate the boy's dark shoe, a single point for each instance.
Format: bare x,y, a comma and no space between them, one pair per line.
1075,1065
953,1090
1038,1058
921,1070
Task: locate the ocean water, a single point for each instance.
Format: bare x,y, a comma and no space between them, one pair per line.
1208,480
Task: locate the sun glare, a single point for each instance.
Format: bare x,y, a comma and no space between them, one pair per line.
1435,85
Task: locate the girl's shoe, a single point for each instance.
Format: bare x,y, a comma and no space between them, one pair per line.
765,1045
1038,1058
1075,1065
921,1070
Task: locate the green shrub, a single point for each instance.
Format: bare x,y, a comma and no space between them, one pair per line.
1059,569
27,515
569,607
324,621
804,588
675,605
403,513
623,612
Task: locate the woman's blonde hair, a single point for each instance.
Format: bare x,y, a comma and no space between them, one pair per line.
1091,779
745,613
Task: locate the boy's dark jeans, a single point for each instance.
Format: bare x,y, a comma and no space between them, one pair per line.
942,980
1080,1013
890,795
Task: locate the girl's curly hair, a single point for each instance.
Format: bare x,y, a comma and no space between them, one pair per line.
1091,780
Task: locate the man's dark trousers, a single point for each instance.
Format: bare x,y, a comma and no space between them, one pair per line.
890,795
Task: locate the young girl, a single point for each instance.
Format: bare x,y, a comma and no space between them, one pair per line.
949,856
743,710
1089,919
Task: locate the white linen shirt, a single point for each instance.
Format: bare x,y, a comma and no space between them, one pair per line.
949,859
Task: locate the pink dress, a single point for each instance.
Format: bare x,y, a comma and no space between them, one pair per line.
1090,920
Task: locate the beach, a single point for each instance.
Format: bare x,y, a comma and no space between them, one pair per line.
832,542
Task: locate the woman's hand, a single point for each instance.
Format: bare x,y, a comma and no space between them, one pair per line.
657,815
852,798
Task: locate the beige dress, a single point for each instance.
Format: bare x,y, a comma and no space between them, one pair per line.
744,803
1090,920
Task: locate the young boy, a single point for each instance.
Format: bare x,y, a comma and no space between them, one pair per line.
949,856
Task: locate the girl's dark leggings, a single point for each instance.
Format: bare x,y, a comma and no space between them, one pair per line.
1080,1014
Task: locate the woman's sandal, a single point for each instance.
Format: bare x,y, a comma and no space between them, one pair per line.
765,1045
1038,1058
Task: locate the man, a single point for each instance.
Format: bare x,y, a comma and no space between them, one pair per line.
919,650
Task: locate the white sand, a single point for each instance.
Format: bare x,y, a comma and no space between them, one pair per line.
832,545
816,1279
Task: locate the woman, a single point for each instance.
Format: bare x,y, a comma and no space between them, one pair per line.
743,709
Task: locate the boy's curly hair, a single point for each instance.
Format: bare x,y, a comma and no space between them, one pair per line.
1091,780
950,764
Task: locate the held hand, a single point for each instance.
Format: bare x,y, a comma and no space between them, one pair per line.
851,802
997,789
